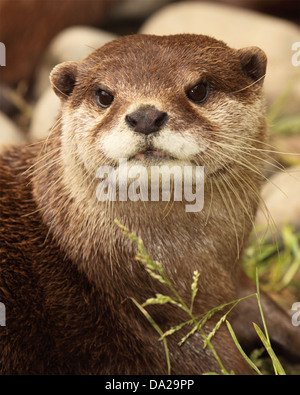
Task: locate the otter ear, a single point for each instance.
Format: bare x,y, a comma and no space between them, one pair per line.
254,62
63,78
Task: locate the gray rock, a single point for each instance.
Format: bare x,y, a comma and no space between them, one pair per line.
74,43
44,115
136,9
281,195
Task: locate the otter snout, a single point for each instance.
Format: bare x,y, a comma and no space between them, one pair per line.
147,120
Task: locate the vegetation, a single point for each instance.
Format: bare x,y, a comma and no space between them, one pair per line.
254,255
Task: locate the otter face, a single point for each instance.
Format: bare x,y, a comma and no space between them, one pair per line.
183,99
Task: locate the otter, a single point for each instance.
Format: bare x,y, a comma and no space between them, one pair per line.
68,273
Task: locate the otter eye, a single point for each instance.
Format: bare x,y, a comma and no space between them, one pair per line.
104,99
198,93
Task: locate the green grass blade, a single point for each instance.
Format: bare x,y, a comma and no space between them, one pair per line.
223,318
247,359
157,328
265,337
277,365
260,306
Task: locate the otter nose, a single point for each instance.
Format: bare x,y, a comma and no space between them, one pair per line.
147,120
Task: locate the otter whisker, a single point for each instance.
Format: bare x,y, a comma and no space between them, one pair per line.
229,211
250,85
242,150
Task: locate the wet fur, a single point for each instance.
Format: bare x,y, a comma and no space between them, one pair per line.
67,273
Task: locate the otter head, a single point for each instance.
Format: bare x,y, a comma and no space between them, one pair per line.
174,100
158,102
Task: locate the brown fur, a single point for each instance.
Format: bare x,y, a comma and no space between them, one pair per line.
68,273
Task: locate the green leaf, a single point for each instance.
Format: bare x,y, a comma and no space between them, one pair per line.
247,359
277,365
157,328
